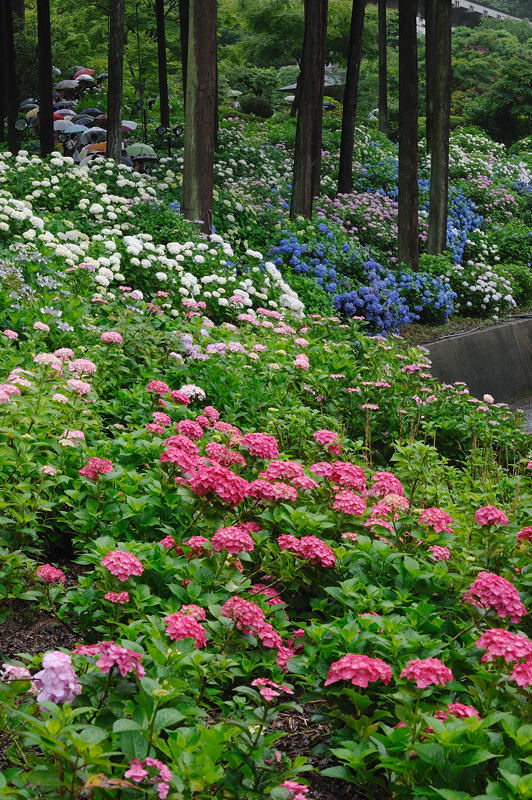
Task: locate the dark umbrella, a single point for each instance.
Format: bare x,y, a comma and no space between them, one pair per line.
102,118
29,100
102,76
82,119
66,104
66,85
92,112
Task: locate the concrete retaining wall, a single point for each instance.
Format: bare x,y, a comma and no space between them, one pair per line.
496,360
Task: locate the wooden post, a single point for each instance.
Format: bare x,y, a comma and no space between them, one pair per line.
354,56
198,170
439,172
46,123
8,73
183,35
114,81
307,156
383,68
408,245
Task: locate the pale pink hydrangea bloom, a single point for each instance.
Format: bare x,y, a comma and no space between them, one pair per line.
12,672
56,682
64,353
360,670
439,553
489,515
525,534
489,590
122,564
111,337
110,655
41,326
500,643
9,389
349,503
299,790
117,597
427,671
234,539
79,386
46,469
71,438
82,366
196,612
301,361
269,689
184,626
9,334
138,773
436,519
60,398
50,574
48,360
4,397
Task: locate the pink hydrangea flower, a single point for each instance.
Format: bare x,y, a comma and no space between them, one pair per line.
12,672
64,353
249,618
436,519
261,445
9,334
310,548
110,655
360,670
224,455
190,428
301,361
196,612
299,790
500,643
525,534
349,503
117,597
158,387
489,590
180,398
50,574
78,386
162,419
439,553
426,672
56,682
233,539
184,626
269,689
60,398
272,490
489,515
328,439
458,710
96,467
218,480
122,564
522,673
82,366
111,337
41,326
349,475
199,545
384,483
48,360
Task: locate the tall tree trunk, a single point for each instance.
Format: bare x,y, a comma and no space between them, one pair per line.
183,35
354,56
307,157
439,162
408,246
383,68
430,67
198,170
8,74
114,82
46,123
162,65
19,9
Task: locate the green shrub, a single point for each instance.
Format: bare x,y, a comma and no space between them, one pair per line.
257,105
316,299
520,276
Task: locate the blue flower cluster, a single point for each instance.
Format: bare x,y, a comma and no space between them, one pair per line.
462,218
430,298
309,258
379,301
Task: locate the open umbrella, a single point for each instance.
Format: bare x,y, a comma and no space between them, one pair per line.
29,100
65,104
75,128
33,113
24,107
102,76
91,112
65,112
66,85
129,124
86,79
81,119
101,119
98,147
139,149
93,135
83,71
61,124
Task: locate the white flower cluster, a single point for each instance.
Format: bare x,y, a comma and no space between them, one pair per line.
480,290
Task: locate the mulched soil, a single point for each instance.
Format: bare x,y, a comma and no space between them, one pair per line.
27,630
425,334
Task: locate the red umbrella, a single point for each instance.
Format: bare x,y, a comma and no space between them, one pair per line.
83,71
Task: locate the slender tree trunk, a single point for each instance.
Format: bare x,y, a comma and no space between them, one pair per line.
114,82
307,157
46,123
297,94
183,34
8,74
430,66
383,68
408,247
439,173
198,171
3,103
19,9
354,56
162,65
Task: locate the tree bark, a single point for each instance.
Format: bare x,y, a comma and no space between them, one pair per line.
9,74
354,56
164,107
439,162
114,82
383,68
430,66
408,246
46,123
198,170
307,157
19,9
183,34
